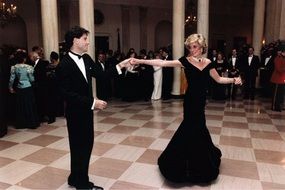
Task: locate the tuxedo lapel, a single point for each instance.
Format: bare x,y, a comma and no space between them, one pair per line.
87,70
77,70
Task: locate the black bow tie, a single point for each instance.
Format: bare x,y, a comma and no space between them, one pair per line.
79,56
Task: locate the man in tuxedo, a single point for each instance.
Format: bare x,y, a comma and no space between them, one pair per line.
4,78
40,86
234,64
250,68
167,75
103,85
74,74
266,70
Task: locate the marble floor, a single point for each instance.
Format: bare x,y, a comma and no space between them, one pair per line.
129,137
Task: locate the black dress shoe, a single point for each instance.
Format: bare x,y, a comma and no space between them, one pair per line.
89,186
50,121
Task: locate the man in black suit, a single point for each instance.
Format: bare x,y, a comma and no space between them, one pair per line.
103,84
266,70
4,78
40,69
234,64
74,77
167,75
250,68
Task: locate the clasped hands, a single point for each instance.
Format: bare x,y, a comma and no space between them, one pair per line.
129,63
237,81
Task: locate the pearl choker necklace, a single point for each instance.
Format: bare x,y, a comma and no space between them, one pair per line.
197,59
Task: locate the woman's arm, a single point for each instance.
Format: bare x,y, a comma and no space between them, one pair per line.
157,62
224,80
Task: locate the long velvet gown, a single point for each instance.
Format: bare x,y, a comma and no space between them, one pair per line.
191,155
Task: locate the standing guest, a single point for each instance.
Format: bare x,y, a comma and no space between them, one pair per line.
130,87
278,80
266,70
191,155
26,114
40,84
167,75
4,78
157,80
103,84
213,58
145,77
250,68
233,71
52,88
39,50
213,55
74,77
219,90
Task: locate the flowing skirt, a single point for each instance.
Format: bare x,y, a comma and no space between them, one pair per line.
190,155
26,112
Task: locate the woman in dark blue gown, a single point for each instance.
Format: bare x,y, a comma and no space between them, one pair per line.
191,155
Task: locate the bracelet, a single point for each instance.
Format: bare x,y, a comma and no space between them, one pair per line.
234,80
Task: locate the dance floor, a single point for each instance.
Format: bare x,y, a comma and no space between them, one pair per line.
129,137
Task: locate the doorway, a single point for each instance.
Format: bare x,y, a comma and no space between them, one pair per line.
101,43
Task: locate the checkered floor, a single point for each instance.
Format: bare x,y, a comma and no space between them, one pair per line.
129,137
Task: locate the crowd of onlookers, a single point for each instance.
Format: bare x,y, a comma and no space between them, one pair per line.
268,72
29,93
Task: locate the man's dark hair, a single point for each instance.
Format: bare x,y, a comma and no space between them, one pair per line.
75,32
164,49
54,55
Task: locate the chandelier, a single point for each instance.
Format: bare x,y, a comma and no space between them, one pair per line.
191,14
7,13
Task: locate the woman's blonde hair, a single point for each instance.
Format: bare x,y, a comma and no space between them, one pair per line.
199,38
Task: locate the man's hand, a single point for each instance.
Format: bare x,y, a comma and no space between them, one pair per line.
125,63
237,81
11,90
134,61
100,104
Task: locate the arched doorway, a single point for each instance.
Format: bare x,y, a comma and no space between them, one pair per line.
14,34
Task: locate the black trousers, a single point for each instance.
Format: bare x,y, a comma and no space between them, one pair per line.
249,86
81,138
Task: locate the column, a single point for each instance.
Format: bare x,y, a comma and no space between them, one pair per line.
282,22
143,27
125,28
277,19
86,20
178,40
49,26
258,25
269,21
203,18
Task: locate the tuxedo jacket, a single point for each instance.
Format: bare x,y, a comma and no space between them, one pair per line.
269,66
40,73
75,88
252,69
